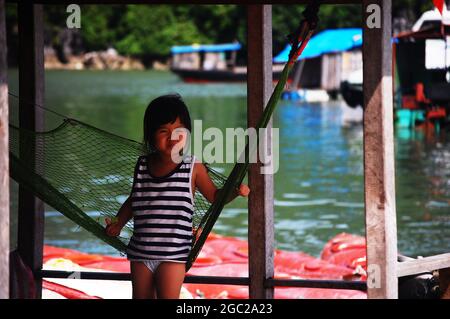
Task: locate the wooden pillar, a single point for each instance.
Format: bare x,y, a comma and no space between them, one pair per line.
259,89
31,88
379,169
4,162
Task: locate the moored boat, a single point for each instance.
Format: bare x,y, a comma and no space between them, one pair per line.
203,63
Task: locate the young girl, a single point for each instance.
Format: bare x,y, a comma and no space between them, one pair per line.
161,202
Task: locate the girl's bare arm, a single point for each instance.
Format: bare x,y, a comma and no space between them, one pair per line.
209,190
125,213
114,227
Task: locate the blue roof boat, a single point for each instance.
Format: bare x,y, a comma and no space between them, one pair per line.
178,49
328,41
209,63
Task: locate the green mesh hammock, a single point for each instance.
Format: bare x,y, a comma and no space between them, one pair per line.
83,171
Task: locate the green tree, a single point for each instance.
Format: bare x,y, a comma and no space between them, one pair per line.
150,31
215,22
99,24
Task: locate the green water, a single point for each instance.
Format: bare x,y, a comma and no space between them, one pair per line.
319,187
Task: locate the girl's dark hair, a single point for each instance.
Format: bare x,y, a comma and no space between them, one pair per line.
162,110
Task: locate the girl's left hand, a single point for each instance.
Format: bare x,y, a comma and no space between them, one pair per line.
243,190
112,227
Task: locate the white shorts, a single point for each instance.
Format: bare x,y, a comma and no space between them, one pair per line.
152,265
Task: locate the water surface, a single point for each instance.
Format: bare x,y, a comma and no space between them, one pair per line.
319,188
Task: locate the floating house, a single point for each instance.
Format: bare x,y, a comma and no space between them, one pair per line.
422,60
330,57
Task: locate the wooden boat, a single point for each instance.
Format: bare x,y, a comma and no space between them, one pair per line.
352,93
205,76
203,63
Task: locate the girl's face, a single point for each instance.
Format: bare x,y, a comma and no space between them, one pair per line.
170,138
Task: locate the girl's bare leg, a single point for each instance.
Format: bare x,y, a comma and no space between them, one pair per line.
142,280
169,279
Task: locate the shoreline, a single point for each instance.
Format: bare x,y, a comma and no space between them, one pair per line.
98,60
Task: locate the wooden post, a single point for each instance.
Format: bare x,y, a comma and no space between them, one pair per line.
259,89
31,87
379,169
4,162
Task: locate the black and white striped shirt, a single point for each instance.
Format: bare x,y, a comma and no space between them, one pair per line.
162,213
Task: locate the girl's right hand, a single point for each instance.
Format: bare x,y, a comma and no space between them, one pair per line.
113,229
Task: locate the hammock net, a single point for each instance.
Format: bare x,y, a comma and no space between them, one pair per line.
83,171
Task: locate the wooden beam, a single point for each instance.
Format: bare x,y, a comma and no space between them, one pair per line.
260,203
212,280
98,275
31,88
4,162
318,283
426,264
379,169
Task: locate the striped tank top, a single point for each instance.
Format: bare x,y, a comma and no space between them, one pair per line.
162,213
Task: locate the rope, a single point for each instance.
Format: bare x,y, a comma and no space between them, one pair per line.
21,99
